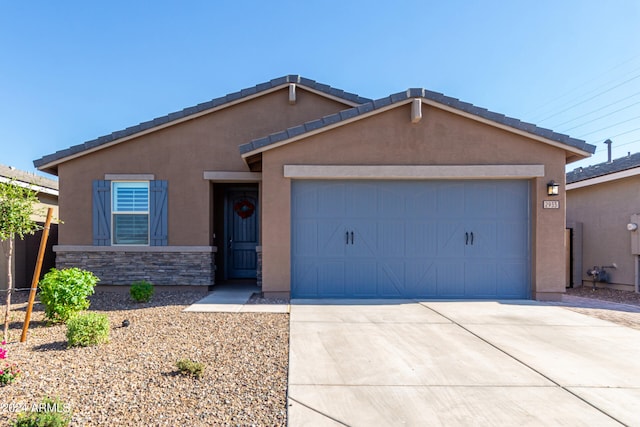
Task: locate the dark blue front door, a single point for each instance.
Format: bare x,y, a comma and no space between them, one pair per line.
241,237
411,239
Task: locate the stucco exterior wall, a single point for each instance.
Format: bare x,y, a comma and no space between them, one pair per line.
180,154
605,210
440,138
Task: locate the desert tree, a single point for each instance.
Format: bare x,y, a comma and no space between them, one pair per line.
17,206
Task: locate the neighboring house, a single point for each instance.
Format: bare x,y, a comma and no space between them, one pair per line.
322,193
26,251
603,203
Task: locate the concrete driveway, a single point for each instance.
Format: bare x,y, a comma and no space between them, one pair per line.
511,363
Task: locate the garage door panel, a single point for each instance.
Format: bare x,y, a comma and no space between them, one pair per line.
450,279
513,237
513,200
421,201
450,201
480,200
331,278
480,279
331,201
421,278
304,203
421,239
362,279
362,200
331,238
305,276
451,239
391,238
365,239
411,239
305,241
391,279
510,276
391,204
481,240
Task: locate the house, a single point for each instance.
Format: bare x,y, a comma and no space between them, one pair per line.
26,251
603,213
317,192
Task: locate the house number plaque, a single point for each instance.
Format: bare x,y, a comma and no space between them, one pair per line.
550,204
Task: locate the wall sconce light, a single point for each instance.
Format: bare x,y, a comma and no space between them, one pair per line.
553,189
632,226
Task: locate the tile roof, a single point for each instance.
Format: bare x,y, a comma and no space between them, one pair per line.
400,97
12,173
235,96
617,165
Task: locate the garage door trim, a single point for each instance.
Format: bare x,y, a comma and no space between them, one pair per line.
413,172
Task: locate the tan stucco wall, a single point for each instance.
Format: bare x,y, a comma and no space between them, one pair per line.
46,201
440,138
604,211
180,154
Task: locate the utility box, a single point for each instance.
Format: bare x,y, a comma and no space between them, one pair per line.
634,230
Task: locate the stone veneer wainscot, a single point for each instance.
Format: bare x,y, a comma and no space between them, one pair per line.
160,265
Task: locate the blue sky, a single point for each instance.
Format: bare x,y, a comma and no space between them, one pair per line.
72,71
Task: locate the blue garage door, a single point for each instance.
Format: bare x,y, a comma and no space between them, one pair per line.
410,239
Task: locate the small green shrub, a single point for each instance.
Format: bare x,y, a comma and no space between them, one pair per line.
9,373
190,368
49,413
88,329
141,291
64,292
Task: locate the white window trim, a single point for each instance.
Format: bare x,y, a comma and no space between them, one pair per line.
148,213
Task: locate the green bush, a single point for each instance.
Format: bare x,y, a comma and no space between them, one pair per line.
88,329
49,413
141,291
190,368
64,292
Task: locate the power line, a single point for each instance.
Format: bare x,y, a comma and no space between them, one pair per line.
608,127
619,145
601,117
624,133
557,126
582,85
589,99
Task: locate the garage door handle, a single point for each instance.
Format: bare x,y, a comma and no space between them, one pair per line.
347,236
466,238
472,237
352,237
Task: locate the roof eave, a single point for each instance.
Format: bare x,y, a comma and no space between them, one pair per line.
573,153
51,166
600,179
325,128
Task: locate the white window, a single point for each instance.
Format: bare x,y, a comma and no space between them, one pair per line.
130,211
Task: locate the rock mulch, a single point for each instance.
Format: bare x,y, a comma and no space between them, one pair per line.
133,381
597,304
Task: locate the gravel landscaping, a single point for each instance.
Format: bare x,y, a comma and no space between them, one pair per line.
133,380
597,304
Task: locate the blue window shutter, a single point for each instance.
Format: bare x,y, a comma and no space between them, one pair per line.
101,213
158,213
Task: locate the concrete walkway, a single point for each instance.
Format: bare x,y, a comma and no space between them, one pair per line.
234,298
365,363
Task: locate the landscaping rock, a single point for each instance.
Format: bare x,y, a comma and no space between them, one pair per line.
133,380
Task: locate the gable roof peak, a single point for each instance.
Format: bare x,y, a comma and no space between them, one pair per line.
433,98
49,162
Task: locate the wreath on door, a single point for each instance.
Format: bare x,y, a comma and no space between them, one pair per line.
244,208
